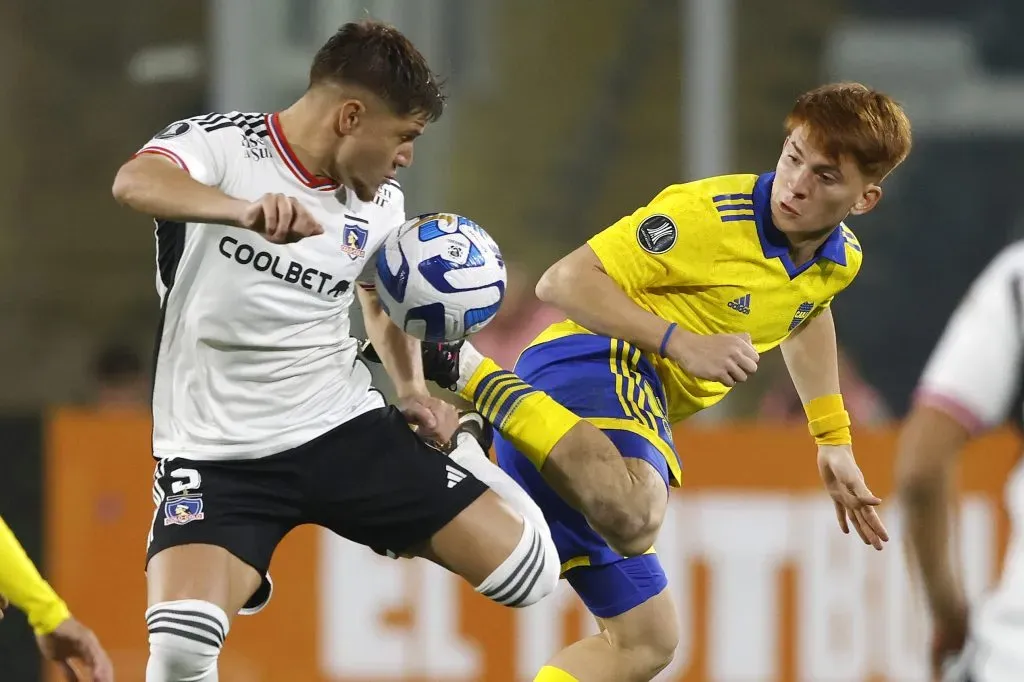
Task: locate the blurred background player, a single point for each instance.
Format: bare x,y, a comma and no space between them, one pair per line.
120,380
264,419
971,384
670,308
61,637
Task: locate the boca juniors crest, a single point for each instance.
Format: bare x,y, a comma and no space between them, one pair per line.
182,509
353,241
801,314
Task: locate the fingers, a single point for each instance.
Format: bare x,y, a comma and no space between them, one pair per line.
68,672
874,522
865,521
742,361
271,225
102,669
304,225
864,496
285,220
286,207
841,517
858,526
419,415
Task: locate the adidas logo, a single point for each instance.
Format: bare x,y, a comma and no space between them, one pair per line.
454,476
741,304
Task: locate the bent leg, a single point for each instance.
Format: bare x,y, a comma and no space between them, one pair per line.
192,589
207,557
579,460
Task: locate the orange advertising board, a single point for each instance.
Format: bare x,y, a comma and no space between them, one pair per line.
767,587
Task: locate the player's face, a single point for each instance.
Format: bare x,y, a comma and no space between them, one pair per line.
813,192
375,143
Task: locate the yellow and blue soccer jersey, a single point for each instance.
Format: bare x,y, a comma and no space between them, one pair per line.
706,256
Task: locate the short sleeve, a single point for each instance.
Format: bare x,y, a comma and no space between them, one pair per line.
659,244
392,200
974,372
195,150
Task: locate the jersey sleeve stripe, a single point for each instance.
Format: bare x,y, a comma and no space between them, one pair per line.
952,407
164,152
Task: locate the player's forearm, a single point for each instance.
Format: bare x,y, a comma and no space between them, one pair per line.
156,187
580,287
21,583
811,355
399,353
927,451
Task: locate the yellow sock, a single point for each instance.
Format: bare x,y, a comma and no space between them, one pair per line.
550,674
530,419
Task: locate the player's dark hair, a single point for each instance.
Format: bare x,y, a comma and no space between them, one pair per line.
850,119
379,58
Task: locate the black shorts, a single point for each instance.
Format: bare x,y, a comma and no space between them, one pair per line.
370,480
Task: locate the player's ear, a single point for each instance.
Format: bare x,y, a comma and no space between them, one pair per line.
868,199
350,116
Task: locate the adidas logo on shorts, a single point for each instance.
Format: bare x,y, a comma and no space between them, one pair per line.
454,476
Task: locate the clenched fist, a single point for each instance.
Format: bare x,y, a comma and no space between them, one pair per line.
725,358
280,219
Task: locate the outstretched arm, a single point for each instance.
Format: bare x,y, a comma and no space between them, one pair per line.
811,355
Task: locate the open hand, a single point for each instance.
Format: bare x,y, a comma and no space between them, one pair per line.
855,504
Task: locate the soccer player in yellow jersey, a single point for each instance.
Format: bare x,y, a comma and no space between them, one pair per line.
668,309
59,635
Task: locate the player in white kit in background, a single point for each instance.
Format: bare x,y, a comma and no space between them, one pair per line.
972,383
264,417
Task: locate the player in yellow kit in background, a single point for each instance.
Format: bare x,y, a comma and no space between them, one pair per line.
669,308
61,638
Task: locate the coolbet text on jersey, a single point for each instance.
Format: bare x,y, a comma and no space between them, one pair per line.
239,311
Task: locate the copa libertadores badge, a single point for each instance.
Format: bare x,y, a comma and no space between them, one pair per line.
174,130
656,234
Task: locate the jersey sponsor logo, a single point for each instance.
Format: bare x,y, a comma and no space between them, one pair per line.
294,272
353,241
656,234
805,309
174,130
182,509
254,149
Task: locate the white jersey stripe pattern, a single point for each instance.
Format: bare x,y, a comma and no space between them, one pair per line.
254,355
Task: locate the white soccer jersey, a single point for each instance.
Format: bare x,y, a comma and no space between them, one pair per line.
974,375
254,353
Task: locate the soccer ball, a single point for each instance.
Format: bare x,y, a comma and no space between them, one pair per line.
440,277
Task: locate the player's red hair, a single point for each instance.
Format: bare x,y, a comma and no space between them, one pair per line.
850,119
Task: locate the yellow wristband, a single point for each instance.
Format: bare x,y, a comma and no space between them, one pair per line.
828,421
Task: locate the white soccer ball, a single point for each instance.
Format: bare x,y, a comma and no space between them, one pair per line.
440,277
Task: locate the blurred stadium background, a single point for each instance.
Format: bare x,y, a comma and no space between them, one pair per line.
563,116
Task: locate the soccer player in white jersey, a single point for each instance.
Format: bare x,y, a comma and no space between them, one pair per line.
972,382
264,418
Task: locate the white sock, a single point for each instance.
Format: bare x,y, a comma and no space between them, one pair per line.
469,359
469,455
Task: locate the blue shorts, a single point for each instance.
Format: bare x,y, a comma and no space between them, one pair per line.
610,384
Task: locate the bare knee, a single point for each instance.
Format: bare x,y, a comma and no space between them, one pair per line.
631,523
650,658
646,638
504,555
